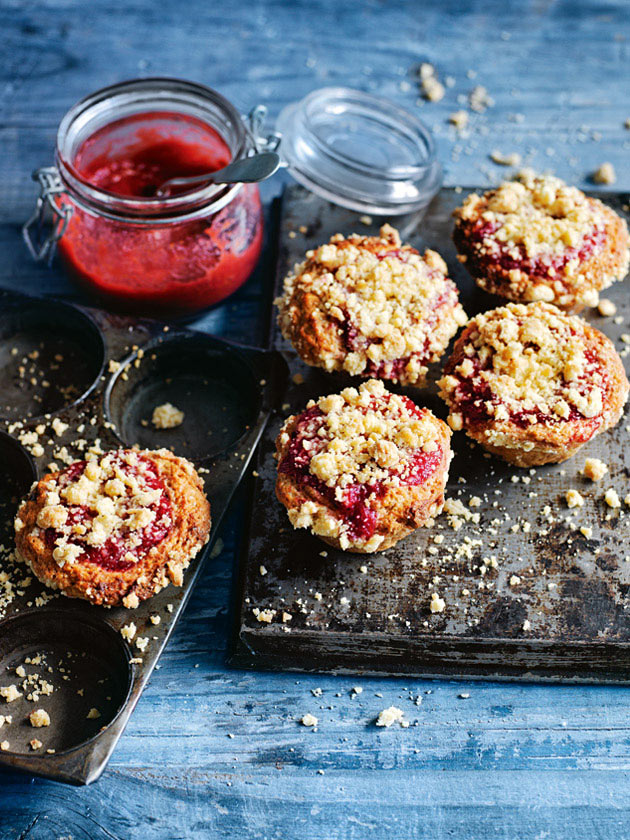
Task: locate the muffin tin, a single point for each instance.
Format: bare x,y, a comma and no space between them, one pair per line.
102,375
554,604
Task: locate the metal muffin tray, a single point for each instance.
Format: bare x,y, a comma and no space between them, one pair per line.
527,594
102,375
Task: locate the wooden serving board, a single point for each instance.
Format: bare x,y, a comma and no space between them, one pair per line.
527,595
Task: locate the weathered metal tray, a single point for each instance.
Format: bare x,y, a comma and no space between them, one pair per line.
227,393
527,594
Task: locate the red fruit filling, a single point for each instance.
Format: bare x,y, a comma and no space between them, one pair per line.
545,267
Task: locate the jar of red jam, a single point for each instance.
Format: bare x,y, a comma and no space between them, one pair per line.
175,255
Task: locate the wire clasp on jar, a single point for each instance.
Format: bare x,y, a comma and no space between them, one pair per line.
255,123
41,245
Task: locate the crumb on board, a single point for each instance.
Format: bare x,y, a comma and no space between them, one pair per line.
309,720
604,174
389,716
594,469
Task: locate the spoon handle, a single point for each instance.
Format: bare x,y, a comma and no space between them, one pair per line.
248,170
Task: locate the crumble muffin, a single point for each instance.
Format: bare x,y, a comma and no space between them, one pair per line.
532,384
115,529
538,239
372,307
364,468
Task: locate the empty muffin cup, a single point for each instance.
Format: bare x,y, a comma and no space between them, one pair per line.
204,392
51,356
64,675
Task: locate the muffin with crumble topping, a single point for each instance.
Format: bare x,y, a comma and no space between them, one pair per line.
114,529
364,468
372,307
532,384
536,238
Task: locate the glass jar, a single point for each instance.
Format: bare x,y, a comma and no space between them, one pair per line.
175,255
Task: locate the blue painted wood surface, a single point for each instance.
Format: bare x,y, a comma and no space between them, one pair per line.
212,752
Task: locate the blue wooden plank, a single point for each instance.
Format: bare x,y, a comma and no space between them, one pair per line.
510,760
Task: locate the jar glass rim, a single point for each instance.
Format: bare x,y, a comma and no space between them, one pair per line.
134,96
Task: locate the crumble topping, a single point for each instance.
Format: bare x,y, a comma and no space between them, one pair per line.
527,364
394,310
108,511
167,416
351,447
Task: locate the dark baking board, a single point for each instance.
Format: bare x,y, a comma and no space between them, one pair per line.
228,393
574,591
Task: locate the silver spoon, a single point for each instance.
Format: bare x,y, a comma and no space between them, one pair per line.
248,170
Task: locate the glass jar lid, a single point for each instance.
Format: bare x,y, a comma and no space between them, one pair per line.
360,151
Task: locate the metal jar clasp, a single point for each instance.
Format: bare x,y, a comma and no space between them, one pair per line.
51,215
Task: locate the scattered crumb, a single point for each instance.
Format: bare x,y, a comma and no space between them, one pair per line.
265,616
309,720
437,604
611,498
155,619
389,716
39,717
433,89
594,469
4,746
36,744
166,416
459,119
512,159
574,499
527,625
480,99
93,714
10,693
128,631
605,174
142,643
586,531
514,580
606,307
262,570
